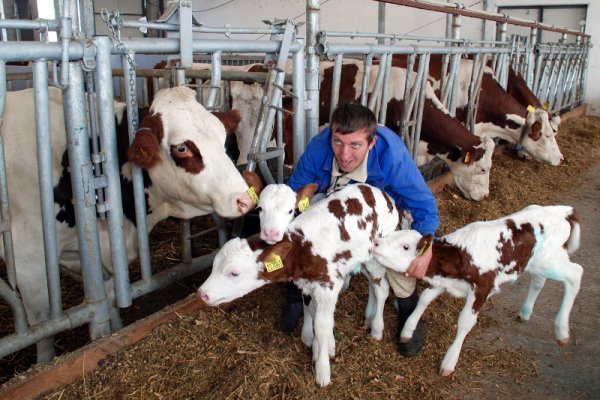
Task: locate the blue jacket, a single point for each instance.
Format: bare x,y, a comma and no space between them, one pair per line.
390,168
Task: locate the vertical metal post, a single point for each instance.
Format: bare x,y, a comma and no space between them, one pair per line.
533,38
299,119
44,154
381,21
185,34
82,179
106,119
456,22
312,69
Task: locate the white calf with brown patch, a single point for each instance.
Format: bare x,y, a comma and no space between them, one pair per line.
320,247
475,260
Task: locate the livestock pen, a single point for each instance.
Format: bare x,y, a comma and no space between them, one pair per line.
556,73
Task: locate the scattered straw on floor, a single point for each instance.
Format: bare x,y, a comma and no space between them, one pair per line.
235,352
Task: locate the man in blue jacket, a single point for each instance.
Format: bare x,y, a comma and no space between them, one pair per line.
356,149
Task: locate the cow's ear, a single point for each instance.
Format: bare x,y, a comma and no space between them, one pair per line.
306,193
536,131
230,119
145,149
253,181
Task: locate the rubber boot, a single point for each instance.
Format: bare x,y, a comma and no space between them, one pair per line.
405,307
293,309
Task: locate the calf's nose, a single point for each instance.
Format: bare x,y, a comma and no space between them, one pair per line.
203,296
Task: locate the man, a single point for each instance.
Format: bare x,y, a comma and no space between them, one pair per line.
356,149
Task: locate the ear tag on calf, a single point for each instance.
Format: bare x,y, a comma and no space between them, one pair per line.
303,204
531,108
253,195
545,106
467,157
424,249
273,262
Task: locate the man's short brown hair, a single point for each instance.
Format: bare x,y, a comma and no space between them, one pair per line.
351,116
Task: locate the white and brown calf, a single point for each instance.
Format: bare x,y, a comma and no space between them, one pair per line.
473,262
277,206
320,247
180,147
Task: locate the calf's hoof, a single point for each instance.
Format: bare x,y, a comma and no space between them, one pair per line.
563,342
445,372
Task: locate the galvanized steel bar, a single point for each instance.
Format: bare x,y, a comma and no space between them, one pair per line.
422,79
46,185
137,174
368,62
12,298
336,81
111,169
215,80
386,84
186,57
312,69
299,118
84,202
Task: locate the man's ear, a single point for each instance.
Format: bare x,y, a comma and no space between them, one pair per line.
372,144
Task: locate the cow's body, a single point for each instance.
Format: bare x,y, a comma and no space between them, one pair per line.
475,260
320,247
179,145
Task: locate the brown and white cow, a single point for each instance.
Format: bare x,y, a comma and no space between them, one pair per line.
499,114
473,261
180,147
320,247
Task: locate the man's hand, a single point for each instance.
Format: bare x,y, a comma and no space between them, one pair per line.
418,266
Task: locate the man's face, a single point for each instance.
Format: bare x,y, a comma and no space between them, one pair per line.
350,149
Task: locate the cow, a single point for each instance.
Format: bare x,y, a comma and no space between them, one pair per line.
473,261
179,146
498,113
320,247
468,156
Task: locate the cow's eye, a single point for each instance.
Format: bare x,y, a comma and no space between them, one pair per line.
233,274
181,148
258,209
406,247
291,212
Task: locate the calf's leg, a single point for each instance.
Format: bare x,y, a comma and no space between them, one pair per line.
410,325
571,277
536,283
466,322
323,326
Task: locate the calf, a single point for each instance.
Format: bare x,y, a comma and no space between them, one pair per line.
179,146
475,260
320,247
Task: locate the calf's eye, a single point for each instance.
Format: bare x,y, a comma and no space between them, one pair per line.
405,247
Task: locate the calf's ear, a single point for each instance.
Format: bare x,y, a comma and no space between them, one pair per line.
253,180
307,192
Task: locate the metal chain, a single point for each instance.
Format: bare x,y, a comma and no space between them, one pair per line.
113,19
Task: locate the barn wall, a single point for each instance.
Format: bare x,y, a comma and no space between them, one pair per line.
361,16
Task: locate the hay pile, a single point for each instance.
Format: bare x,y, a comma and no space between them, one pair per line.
234,352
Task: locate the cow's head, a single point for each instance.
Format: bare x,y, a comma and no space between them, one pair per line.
181,145
539,136
277,206
236,272
397,250
471,169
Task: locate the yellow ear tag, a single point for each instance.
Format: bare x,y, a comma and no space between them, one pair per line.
273,263
467,157
303,204
545,106
531,108
424,249
253,195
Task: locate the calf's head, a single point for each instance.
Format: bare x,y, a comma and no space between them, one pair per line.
277,208
182,146
237,270
397,250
